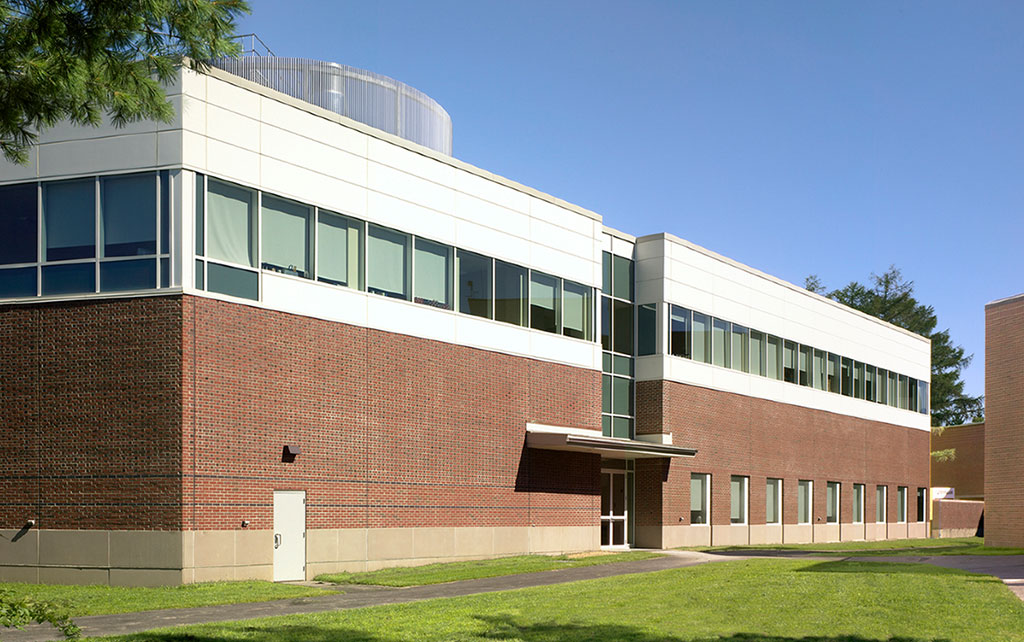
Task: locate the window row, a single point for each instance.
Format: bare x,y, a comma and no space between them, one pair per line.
739,494
241,230
704,338
98,234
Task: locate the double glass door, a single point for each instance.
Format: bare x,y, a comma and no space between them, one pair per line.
614,509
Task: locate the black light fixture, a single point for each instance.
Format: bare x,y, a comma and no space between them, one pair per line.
289,453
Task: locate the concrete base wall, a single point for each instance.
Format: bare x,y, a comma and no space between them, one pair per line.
759,534
142,558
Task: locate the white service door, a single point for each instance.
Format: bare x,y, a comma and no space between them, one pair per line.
289,535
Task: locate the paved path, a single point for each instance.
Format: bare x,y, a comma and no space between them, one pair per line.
1009,568
354,597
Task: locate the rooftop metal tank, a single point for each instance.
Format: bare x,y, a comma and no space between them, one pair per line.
373,99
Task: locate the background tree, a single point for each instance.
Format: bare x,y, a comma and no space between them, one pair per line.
78,59
890,297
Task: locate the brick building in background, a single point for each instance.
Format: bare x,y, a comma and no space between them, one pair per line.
267,340
965,474
1004,422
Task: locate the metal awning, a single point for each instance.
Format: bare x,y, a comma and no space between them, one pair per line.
592,441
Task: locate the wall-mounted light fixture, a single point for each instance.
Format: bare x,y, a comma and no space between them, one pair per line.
289,453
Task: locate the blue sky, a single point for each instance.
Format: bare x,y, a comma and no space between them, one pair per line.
804,137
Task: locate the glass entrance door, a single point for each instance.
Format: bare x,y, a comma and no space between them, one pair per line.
614,512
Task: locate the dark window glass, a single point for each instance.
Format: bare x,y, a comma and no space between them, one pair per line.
17,282
921,494
622,278
869,383
128,206
606,393
606,323
922,397
118,276
606,272
773,358
789,361
757,353
912,391
647,329
833,373
680,332
165,212
474,284
622,427
200,212
165,273
18,229
880,386
846,377
740,348
545,301
622,396
858,379
510,293
69,279
200,276
232,281
805,365
69,220
622,326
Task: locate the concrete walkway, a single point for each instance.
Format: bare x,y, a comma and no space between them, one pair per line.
1008,568
354,597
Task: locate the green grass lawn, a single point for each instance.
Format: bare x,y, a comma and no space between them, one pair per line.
453,571
950,546
97,600
743,601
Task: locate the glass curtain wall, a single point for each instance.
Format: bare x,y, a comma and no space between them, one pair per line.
617,342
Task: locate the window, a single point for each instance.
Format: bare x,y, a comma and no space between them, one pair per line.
911,394
858,380
901,504
387,258
773,358
846,377
18,226
869,383
622,278
833,373
789,361
740,346
474,284
803,501
18,282
757,353
128,213
646,329
286,235
818,369
701,338
339,250
832,502
773,501
510,293
69,278
233,281
432,282
858,503
576,311
680,332
622,397
880,504
805,365
700,484
622,327
606,272
720,343
545,297
922,397
231,223
69,224
200,217
880,386
738,497
922,494
120,276
606,323
894,390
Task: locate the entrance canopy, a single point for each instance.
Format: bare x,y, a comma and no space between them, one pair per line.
592,441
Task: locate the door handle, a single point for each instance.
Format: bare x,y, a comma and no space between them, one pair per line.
277,540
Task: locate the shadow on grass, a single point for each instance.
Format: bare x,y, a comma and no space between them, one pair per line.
887,568
497,628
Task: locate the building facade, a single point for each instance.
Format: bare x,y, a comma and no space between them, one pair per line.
268,341
1004,422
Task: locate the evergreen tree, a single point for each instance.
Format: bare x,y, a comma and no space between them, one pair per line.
78,59
890,297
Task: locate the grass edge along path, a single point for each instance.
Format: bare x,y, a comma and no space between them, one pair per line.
890,547
741,601
442,572
80,601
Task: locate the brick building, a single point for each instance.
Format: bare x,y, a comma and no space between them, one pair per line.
1004,422
267,340
965,474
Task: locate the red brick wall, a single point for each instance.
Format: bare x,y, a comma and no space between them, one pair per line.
966,473
91,409
956,515
739,435
1004,422
395,431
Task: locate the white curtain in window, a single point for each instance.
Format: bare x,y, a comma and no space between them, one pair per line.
332,242
574,311
432,272
388,255
285,234
230,224
543,291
